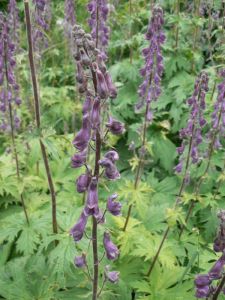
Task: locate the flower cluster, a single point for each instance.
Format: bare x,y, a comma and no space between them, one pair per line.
218,115
152,72
98,10
192,134
69,20
9,94
95,84
204,282
14,22
42,19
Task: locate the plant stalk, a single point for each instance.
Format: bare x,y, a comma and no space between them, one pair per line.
219,288
140,163
37,113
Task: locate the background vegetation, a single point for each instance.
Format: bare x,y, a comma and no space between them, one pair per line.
31,267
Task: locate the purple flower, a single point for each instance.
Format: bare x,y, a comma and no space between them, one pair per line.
112,251
83,182
77,230
112,276
216,271
95,114
115,126
111,171
112,155
103,91
202,280
202,292
110,85
91,207
83,136
79,159
112,206
80,261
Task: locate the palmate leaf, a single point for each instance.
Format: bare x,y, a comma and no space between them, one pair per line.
27,241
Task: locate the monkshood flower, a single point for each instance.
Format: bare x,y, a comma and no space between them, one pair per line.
112,276
218,115
152,72
41,24
113,206
80,261
98,10
9,88
79,159
91,206
111,171
115,127
83,136
204,282
192,134
78,229
111,250
112,155
83,182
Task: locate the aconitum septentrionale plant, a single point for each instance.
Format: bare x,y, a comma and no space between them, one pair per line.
150,89
95,85
189,150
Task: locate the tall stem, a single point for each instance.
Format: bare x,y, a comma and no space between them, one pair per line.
140,163
177,199
13,135
201,179
37,113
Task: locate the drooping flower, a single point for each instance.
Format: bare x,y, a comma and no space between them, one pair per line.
83,136
79,159
112,155
83,182
111,171
112,276
115,127
114,207
91,206
80,261
78,229
112,251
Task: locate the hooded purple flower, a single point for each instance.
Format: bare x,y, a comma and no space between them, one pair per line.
79,159
216,271
110,85
95,114
112,276
112,206
112,251
111,171
115,127
77,230
103,91
112,155
83,182
91,207
80,261
83,136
